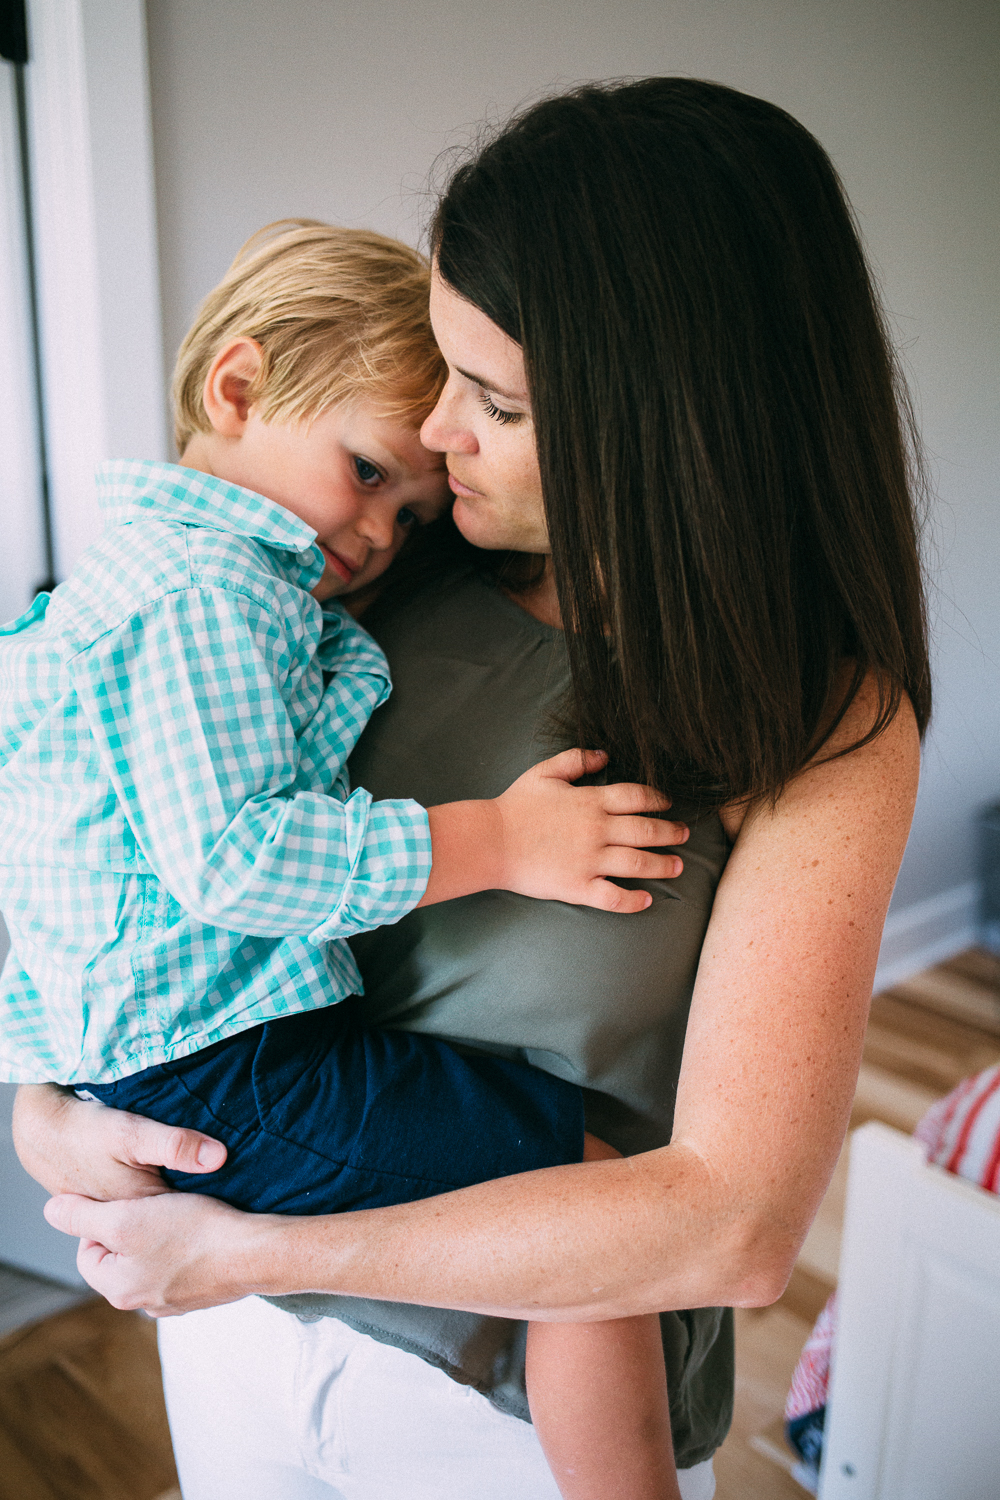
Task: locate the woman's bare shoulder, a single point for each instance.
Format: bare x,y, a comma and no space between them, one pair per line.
888,763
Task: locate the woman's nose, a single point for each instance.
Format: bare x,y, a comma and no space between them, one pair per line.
443,431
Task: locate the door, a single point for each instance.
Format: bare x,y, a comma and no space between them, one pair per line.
915,1389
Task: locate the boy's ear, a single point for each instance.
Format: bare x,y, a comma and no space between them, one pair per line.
230,377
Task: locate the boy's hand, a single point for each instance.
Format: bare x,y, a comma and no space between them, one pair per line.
561,842
546,838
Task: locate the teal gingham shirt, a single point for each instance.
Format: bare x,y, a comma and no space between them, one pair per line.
178,845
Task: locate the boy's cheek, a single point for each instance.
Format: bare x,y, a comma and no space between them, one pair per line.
329,586
377,564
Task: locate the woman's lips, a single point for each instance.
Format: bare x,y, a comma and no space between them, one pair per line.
458,488
343,569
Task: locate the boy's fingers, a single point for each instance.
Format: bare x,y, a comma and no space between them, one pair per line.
640,833
572,764
638,864
629,797
605,896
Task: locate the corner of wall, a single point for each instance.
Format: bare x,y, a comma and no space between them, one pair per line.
926,933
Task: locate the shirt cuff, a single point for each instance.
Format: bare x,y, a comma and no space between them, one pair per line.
389,850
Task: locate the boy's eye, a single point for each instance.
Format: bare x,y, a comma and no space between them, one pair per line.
366,471
407,517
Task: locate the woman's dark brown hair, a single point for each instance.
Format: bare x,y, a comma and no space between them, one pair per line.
725,448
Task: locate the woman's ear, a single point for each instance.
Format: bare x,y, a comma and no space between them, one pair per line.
227,385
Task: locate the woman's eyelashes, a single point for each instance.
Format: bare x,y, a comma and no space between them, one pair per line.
497,412
366,471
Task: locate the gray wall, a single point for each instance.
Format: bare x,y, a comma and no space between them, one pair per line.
25,1238
337,110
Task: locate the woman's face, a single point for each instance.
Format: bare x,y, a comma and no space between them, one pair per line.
482,424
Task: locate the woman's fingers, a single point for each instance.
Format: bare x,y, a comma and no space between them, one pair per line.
74,1145
91,1262
168,1254
85,1219
103,1232
145,1142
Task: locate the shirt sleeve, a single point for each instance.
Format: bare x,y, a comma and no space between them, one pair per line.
187,704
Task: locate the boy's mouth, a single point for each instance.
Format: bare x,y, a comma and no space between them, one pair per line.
343,569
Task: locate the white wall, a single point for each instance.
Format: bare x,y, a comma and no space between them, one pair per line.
337,110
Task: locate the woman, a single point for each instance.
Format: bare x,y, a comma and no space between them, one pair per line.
668,383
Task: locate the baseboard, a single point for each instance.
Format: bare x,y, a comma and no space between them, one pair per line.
929,932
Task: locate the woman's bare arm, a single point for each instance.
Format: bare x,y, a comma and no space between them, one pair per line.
73,1146
717,1217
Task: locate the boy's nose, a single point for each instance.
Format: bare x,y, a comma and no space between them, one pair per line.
378,526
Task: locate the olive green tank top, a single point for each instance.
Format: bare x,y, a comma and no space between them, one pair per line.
594,997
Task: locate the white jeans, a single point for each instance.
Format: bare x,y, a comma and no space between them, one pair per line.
263,1407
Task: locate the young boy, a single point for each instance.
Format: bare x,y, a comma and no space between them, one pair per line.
182,856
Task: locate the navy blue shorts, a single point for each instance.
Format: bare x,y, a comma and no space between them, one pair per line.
321,1114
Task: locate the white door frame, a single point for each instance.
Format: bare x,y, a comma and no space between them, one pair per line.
23,566
93,200
95,237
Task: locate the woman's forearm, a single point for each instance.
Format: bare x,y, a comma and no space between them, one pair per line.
603,1240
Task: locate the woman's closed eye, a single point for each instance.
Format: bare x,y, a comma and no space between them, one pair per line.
367,471
498,413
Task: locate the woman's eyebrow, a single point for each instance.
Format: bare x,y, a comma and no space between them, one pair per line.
490,385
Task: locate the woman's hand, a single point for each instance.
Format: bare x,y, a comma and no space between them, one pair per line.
544,837
168,1254
73,1145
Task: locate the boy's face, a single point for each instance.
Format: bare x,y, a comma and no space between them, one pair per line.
364,482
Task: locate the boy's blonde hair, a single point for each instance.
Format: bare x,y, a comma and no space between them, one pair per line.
339,313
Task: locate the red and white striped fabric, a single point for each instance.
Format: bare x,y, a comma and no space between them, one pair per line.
961,1133
811,1380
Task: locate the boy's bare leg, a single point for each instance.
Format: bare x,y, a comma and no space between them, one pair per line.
598,1397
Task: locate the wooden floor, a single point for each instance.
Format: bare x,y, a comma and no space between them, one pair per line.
81,1410
28,1299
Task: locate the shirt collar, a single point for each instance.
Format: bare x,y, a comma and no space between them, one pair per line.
133,490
